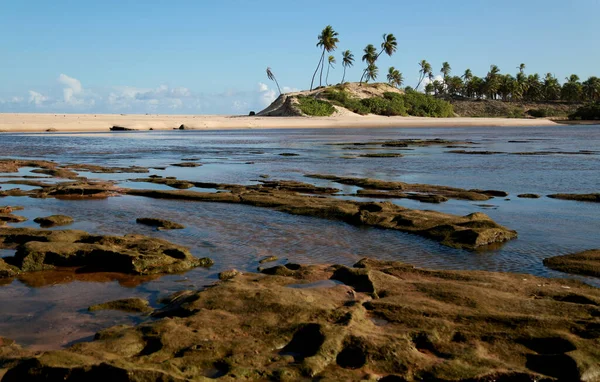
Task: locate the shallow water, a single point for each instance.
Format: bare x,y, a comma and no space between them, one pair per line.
48,310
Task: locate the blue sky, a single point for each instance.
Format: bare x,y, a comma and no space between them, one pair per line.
186,56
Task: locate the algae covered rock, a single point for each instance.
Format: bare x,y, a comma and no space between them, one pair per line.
53,220
130,305
381,320
160,223
135,254
583,263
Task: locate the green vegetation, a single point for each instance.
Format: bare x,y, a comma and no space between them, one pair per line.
314,107
590,112
392,104
545,113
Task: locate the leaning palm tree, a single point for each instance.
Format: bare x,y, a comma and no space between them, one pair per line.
389,45
347,60
371,72
467,76
328,41
424,71
271,76
330,62
369,57
445,70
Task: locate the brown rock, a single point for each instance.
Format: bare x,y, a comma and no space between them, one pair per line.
160,223
583,263
53,220
130,305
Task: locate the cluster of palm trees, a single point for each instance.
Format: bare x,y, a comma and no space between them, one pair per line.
520,87
506,87
327,42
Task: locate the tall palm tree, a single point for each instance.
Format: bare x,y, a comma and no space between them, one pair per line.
372,72
271,76
551,87
445,70
572,89
467,76
424,71
389,45
521,68
369,57
347,60
394,77
591,89
492,81
330,61
328,41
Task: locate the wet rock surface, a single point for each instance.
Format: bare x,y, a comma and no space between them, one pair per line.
529,196
384,321
406,143
578,197
404,188
130,305
160,223
585,263
468,232
381,155
38,250
53,220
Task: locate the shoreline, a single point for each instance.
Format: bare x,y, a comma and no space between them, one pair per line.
35,122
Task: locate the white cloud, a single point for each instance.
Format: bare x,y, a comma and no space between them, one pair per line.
37,98
266,95
73,92
438,78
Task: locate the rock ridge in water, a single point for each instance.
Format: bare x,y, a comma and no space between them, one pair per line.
381,320
38,250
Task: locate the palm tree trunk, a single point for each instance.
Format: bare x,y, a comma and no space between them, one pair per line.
344,76
327,77
322,67
316,70
277,83
421,78
363,76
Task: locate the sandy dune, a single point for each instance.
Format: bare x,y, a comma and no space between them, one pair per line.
102,122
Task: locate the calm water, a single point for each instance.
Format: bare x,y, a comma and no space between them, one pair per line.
48,310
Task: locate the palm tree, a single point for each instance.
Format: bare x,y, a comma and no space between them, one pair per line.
521,68
445,70
591,89
429,88
369,57
394,77
492,82
424,71
330,61
347,60
389,45
467,76
371,72
271,76
328,41
572,89
551,88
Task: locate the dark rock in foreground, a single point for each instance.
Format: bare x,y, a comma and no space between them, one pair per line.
377,321
130,305
38,250
578,197
583,263
121,128
186,164
54,220
160,223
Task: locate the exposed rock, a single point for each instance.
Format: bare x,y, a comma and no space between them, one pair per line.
51,130
583,263
376,184
10,218
160,223
467,232
388,321
185,127
425,198
130,305
106,170
578,197
179,184
121,128
268,259
228,275
529,196
53,220
10,209
381,155
406,143
186,164
6,270
482,152
135,254
291,185
289,154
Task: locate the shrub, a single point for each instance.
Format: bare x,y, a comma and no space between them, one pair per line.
545,112
590,111
423,105
314,107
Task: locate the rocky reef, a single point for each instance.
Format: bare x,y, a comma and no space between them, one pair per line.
585,263
377,320
38,250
